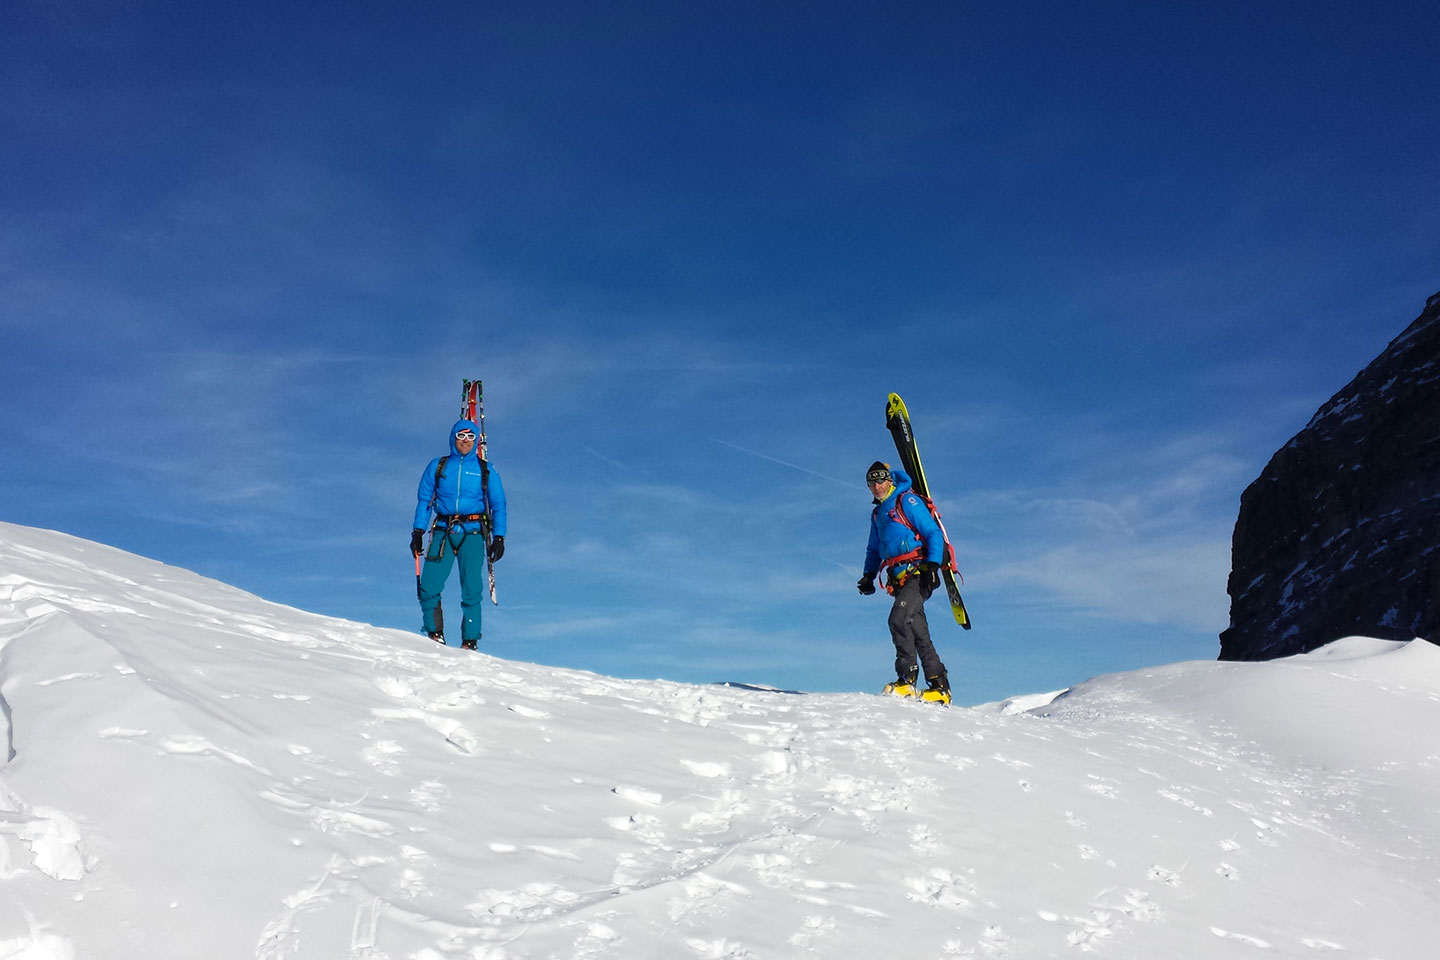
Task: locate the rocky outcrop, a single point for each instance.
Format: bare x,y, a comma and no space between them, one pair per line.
1339,534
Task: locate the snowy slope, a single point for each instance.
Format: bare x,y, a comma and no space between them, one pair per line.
196,773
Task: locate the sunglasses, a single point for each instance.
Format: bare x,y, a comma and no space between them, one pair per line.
465,435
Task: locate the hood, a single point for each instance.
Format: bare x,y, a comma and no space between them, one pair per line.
902,481
463,424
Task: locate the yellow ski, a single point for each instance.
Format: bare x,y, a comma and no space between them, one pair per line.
897,421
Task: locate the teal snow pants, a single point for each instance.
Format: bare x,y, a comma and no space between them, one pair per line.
445,548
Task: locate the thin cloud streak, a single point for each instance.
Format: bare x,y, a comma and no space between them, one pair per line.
783,463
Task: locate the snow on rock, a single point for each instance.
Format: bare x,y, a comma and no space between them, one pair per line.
195,772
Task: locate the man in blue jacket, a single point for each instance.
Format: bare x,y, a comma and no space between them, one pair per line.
908,544
465,495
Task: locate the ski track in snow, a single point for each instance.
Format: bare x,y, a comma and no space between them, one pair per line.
409,800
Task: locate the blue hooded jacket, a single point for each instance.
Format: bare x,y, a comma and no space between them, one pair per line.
891,538
460,489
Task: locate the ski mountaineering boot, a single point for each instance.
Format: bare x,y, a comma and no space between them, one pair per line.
937,690
437,636
902,686
470,644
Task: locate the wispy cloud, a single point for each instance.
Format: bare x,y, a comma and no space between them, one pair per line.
784,463
1135,582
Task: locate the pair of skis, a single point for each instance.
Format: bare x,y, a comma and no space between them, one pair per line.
472,408
897,421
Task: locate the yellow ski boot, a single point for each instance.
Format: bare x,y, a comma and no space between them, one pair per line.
937,690
901,687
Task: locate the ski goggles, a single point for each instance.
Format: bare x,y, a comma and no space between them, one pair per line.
465,435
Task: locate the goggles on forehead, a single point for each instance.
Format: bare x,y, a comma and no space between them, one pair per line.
465,435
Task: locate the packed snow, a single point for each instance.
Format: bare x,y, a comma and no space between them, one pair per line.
193,772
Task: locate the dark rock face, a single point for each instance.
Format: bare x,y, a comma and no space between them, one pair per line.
1340,535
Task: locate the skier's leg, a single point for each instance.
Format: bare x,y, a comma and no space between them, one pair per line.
920,631
900,633
474,587
916,628
925,649
438,561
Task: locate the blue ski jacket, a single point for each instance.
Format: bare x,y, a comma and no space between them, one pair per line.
890,538
460,489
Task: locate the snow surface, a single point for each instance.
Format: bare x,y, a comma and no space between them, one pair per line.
193,772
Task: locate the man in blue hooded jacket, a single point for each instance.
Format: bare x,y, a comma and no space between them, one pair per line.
906,542
465,495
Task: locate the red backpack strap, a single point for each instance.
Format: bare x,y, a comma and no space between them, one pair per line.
897,513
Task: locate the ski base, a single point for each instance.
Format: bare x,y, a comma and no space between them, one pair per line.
952,590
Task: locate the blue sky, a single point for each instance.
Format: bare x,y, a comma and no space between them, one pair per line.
1113,255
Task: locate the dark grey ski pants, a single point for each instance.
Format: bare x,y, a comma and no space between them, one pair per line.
911,631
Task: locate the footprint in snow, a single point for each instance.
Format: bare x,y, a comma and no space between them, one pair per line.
995,942
811,928
721,949
707,770
729,805
1088,852
939,888
923,842
1139,906
1240,937
701,893
1106,788
1168,877
637,794
774,764
383,756
597,940
429,795
397,687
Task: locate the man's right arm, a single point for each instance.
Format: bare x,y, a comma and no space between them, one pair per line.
424,496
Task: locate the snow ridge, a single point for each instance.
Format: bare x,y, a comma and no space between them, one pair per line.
197,772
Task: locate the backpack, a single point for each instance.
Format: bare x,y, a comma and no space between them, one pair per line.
897,513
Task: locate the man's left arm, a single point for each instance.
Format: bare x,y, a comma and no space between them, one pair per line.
930,533
495,490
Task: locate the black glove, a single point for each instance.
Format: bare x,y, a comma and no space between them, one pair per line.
497,549
417,541
866,584
931,573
